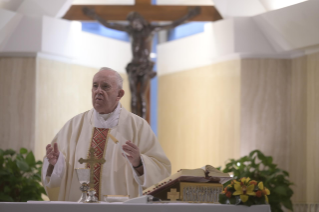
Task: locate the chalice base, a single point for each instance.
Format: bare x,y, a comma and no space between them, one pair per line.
84,197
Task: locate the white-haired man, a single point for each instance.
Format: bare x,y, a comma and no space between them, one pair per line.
101,128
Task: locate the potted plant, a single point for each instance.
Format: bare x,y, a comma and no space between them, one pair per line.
271,184
20,176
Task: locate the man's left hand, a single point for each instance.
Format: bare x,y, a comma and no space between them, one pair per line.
133,153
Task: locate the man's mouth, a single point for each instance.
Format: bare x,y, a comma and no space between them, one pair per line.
99,99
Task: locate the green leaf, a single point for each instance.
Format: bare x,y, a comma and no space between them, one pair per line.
19,157
23,151
30,159
222,198
232,200
39,162
262,157
5,198
1,161
260,200
286,173
249,202
6,189
253,152
22,165
4,173
9,152
269,160
281,190
287,204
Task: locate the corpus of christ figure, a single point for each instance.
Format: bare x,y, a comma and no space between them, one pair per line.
140,69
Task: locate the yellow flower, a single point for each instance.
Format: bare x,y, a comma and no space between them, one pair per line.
229,185
242,181
264,190
245,180
244,190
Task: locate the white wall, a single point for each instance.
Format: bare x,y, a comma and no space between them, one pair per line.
8,22
242,8
290,28
26,36
97,51
281,33
284,33
59,39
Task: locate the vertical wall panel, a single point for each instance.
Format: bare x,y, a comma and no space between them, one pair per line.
17,102
199,115
265,108
313,129
298,147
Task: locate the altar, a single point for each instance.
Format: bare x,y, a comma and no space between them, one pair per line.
120,207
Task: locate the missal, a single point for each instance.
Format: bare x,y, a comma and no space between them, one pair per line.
207,174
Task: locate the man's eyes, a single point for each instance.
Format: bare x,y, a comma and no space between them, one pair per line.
103,86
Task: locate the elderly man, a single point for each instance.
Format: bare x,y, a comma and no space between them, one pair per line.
109,129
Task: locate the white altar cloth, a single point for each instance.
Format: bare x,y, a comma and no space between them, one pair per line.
120,207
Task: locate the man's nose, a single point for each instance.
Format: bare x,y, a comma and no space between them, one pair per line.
99,89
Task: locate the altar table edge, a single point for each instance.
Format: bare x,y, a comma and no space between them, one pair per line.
151,207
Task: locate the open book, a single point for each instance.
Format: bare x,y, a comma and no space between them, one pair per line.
207,174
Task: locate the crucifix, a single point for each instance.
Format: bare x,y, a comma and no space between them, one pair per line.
173,195
141,31
92,160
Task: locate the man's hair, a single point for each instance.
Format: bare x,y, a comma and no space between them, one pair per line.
119,79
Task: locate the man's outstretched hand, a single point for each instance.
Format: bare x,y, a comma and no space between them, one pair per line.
52,153
133,153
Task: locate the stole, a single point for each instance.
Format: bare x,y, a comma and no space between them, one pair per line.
99,143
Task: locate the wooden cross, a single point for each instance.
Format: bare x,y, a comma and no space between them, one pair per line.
92,160
173,195
145,8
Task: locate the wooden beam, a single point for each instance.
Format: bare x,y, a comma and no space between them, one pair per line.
149,12
149,2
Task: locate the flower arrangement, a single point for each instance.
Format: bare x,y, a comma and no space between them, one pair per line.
245,191
261,168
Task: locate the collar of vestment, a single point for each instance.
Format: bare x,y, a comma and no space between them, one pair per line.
115,130
107,120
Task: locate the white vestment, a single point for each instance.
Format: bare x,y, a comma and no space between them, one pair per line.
117,177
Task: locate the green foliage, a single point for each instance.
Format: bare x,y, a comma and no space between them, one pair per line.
20,176
259,167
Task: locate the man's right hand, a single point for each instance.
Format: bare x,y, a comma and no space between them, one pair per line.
52,153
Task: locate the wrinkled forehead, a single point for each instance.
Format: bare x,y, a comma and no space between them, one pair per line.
104,76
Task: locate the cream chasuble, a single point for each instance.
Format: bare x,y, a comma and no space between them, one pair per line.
116,175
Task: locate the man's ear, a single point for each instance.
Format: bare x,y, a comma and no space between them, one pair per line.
120,94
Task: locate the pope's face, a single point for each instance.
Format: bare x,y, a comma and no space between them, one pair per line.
105,92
